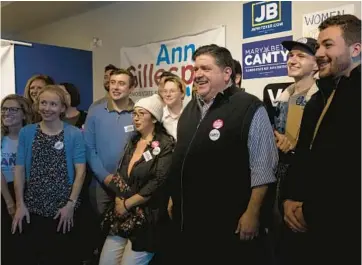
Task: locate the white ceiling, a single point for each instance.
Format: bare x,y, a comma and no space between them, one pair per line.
20,16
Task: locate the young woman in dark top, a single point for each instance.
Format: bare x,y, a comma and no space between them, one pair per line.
73,115
49,174
141,199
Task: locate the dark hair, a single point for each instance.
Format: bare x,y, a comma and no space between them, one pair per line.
125,72
159,129
110,67
167,74
238,70
221,55
73,92
349,24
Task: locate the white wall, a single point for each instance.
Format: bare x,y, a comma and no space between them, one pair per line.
135,23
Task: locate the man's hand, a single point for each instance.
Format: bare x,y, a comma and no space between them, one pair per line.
169,207
300,217
108,179
283,142
248,226
291,208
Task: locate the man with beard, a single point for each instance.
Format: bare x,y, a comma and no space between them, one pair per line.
223,164
107,73
324,192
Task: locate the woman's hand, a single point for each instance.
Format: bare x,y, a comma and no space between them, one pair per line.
20,213
10,205
66,217
119,207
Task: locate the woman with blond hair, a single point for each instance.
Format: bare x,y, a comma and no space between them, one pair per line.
49,175
32,88
173,94
16,112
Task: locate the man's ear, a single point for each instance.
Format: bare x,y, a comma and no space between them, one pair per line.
355,50
227,73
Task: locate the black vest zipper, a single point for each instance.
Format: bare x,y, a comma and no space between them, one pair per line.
182,171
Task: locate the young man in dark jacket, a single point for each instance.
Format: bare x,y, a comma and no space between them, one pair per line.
224,161
322,196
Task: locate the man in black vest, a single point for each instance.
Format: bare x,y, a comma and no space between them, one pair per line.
223,163
323,191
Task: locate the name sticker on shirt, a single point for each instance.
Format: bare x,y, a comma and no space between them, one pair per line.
147,155
59,145
129,128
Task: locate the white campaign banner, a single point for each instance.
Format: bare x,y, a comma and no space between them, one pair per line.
311,21
147,62
7,69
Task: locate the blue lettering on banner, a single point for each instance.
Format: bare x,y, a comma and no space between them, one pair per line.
261,18
178,54
265,58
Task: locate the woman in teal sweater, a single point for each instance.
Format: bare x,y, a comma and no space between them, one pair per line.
49,175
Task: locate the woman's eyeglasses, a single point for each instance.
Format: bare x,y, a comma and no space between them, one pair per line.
138,114
12,110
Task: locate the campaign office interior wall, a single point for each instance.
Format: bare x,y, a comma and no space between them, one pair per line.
136,23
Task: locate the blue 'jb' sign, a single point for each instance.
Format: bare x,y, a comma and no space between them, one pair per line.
261,18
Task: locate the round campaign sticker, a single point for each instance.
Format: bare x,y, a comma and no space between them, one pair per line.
214,135
218,124
156,150
59,145
155,144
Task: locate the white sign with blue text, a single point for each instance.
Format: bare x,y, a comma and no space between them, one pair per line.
261,18
147,62
311,21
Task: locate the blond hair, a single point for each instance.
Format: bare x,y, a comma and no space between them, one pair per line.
59,91
47,80
178,81
25,106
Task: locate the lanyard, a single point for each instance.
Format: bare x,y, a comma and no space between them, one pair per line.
326,107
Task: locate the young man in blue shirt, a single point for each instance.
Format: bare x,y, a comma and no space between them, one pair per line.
107,130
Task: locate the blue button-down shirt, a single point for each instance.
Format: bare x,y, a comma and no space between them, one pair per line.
263,152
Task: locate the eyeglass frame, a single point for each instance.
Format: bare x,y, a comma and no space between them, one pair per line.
135,114
12,110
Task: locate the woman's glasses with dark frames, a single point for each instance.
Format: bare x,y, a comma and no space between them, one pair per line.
12,110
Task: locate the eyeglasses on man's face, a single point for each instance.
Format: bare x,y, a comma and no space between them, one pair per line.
11,110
